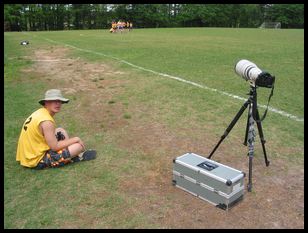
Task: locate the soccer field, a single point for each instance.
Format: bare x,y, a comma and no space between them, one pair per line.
140,99
205,55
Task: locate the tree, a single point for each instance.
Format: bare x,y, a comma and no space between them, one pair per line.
289,15
13,16
250,15
91,16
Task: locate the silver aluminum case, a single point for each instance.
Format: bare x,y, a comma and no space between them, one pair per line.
223,186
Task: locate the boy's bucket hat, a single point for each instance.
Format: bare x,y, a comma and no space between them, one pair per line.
53,94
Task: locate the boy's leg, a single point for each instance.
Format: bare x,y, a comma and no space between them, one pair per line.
61,158
74,149
65,156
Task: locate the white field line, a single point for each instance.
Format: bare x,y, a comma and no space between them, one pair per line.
283,113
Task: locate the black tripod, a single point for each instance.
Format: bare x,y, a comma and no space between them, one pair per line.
253,116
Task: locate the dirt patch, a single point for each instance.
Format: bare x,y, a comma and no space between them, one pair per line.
75,74
91,85
277,200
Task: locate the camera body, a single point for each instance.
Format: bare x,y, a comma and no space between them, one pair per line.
265,80
250,72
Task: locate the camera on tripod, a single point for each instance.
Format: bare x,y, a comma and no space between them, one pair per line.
257,78
250,72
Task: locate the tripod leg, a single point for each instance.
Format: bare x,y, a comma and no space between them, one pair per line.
261,137
249,185
235,119
250,140
247,126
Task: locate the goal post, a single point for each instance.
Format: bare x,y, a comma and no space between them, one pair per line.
276,25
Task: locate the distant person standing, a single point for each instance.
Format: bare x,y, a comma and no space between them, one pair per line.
120,26
127,26
113,27
130,26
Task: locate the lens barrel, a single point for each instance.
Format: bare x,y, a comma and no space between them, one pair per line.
247,70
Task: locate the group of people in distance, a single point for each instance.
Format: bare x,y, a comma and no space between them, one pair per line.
121,26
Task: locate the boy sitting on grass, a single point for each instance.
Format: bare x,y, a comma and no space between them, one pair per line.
42,145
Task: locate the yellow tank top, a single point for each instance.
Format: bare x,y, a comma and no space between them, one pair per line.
31,144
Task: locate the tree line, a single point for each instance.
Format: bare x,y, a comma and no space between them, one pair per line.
39,17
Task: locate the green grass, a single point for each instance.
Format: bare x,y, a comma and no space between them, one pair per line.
205,55
89,195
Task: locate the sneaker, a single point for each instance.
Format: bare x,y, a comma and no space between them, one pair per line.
88,155
85,156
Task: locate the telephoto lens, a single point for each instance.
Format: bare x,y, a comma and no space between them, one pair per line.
247,70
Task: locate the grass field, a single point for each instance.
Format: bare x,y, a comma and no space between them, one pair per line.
138,121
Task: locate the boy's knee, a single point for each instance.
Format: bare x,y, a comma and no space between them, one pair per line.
59,129
63,131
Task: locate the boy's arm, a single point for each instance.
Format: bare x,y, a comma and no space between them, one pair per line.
48,130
